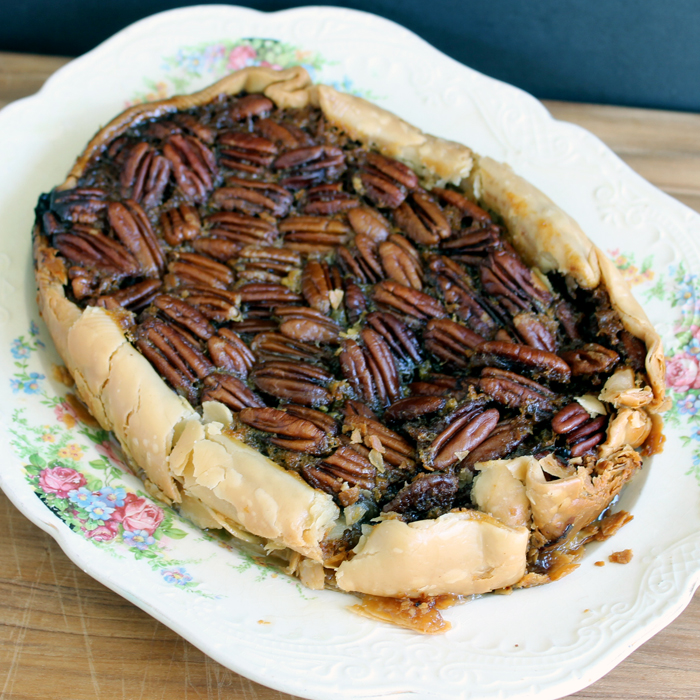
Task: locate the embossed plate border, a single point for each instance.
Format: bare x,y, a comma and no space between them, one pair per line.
538,643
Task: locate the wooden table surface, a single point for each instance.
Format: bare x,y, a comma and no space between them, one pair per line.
63,635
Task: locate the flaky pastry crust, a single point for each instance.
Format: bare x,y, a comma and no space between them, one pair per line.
222,482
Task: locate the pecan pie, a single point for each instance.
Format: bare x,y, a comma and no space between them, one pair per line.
397,363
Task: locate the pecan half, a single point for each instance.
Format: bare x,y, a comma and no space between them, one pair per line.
590,359
217,248
515,391
247,152
582,432
134,297
309,234
369,222
354,301
539,363
296,382
385,181
291,432
184,315
467,207
437,385
534,331
230,391
80,205
176,359
241,228
461,436
409,302
422,220
450,341
266,263
344,466
190,123
249,106
230,353
472,245
505,276
131,226
382,366
95,250
180,224
396,450
283,135
193,164
401,262
275,346
318,281
414,407
215,304
329,199
252,197
307,325
310,164
428,495
320,419
401,339
506,436
192,268
264,294
362,268
460,296
144,176
355,369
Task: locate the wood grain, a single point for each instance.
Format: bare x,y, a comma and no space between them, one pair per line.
63,635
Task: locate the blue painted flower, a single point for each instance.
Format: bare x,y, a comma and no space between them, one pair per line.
16,385
82,496
20,349
689,405
178,576
32,386
114,498
98,510
693,347
33,329
140,539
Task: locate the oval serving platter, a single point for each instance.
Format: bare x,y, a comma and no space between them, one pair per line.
66,474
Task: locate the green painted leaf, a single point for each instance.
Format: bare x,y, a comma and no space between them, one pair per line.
36,460
175,533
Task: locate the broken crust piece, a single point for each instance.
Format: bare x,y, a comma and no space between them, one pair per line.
161,432
463,553
514,490
576,500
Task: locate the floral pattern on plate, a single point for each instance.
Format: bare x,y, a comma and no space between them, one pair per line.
194,67
90,496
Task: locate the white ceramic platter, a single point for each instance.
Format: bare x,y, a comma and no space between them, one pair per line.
65,475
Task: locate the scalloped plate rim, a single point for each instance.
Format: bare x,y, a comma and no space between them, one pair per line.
72,545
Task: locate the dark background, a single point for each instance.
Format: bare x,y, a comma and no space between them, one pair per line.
642,53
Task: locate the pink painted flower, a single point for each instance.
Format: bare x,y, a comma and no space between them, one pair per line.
61,481
138,514
65,413
682,372
239,57
107,449
274,66
104,533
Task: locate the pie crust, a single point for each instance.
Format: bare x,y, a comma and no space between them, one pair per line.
221,482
